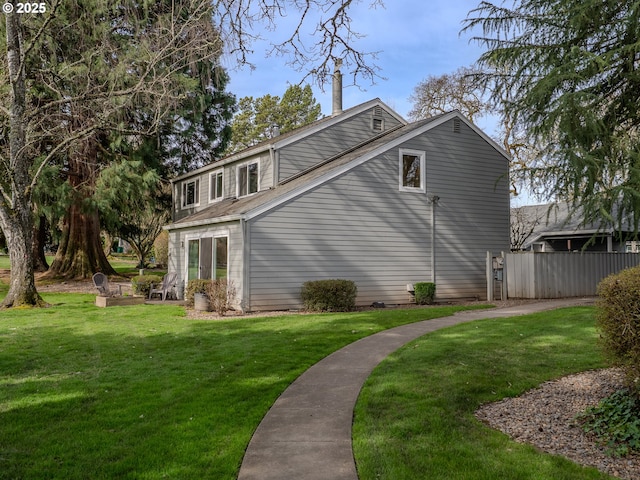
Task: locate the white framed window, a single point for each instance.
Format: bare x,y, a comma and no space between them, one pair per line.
412,171
248,179
216,186
191,193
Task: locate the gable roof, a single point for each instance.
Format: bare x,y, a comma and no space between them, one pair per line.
246,208
293,136
560,221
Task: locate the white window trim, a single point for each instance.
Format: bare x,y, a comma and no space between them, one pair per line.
212,183
211,235
238,167
423,170
183,199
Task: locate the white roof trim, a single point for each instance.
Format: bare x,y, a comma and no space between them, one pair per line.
200,223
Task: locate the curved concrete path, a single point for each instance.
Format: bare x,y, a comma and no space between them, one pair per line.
306,435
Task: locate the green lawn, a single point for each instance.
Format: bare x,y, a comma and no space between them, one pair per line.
4,262
142,392
414,418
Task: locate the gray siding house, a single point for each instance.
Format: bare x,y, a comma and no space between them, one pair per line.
361,195
557,227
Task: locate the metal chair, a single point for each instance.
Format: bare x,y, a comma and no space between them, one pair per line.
167,285
101,282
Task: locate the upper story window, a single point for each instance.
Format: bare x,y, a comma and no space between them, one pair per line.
216,186
412,171
247,177
191,193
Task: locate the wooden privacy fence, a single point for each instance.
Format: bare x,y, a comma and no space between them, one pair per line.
560,274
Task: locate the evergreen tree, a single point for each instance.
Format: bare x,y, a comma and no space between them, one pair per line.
199,131
134,203
570,71
266,117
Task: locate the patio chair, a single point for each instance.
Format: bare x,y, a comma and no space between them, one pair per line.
168,284
101,282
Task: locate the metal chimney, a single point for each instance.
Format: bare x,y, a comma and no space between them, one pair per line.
337,90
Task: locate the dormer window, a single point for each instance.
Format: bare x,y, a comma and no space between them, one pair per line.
216,185
191,193
247,179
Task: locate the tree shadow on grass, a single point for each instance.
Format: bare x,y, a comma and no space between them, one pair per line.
143,392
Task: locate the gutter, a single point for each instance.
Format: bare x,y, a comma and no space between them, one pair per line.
204,221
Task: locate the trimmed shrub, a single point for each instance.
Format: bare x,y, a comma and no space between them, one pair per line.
196,286
425,292
142,284
329,295
618,316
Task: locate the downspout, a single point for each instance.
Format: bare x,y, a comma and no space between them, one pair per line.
434,202
245,301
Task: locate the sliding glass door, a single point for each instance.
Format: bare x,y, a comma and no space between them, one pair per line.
207,258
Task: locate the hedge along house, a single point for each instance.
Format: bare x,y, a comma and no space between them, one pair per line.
361,195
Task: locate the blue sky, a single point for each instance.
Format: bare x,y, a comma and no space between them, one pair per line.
414,38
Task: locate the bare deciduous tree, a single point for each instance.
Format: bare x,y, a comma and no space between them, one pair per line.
467,90
524,222
456,91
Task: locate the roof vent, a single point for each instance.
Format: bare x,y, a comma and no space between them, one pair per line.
456,125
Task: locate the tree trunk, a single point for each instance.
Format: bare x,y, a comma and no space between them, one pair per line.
22,287
15,211
80,253
39,240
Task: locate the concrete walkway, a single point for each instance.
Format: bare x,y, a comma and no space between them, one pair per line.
306,435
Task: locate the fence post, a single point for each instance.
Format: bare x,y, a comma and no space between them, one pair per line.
489,277
505,292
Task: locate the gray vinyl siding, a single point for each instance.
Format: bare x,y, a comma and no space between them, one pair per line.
313,149
178,253
332,234
359,226
473,211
